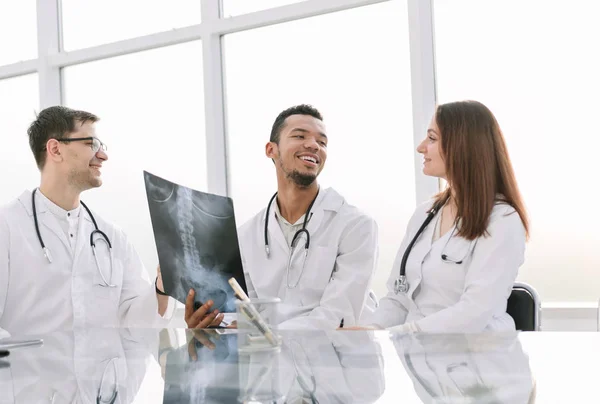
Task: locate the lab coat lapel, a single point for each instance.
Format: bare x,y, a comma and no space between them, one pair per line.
425,242
419,252
84,230
275,233
328,199
46,219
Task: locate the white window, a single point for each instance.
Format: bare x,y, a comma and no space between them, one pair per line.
535,65
151,108
19,100
91,23
236,7
358,75
18,31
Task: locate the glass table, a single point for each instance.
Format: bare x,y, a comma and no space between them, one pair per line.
183,366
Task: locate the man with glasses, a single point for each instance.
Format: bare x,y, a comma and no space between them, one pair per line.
61,265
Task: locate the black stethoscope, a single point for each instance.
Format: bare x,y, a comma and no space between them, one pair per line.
296,237
92,243
401,284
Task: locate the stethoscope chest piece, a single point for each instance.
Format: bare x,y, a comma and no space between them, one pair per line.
401,285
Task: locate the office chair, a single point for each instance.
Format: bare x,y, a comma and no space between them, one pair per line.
524,307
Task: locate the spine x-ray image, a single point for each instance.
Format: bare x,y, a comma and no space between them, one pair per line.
197,242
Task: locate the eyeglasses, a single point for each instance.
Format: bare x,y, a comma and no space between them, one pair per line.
96,143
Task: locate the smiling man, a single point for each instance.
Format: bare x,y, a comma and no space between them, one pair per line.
61,265
308,247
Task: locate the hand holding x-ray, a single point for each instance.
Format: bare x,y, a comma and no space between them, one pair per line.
196,239
202,317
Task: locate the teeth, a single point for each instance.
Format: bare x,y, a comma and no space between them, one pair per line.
308,158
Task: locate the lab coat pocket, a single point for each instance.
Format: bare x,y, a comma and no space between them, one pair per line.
318,273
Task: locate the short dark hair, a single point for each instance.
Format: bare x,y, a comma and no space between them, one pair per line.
302,109
54,123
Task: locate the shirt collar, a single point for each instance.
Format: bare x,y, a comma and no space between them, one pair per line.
59,212
278,215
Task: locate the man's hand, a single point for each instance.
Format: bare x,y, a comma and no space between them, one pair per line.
202,317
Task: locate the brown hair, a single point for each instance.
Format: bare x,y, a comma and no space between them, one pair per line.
478,167
54,123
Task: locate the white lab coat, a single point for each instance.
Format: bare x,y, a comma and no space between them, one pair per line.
341,261
70,365
40,297
449,297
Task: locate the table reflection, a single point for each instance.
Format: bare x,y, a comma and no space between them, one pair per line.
313,367
478,368
86,365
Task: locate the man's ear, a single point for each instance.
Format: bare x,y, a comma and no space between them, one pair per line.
53,150
271,150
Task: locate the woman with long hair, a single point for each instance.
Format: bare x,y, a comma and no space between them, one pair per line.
462,250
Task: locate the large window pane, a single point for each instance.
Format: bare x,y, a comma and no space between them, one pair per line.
19,102
360,80
236,7
542,84
18,31
152,118
90,23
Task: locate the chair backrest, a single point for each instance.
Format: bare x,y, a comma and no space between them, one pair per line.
524,307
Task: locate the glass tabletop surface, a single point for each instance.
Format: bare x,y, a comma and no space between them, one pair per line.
227,366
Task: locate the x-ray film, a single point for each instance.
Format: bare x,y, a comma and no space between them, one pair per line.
197,242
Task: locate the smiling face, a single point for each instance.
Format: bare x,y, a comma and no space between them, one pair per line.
83,159
430,148
301,152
